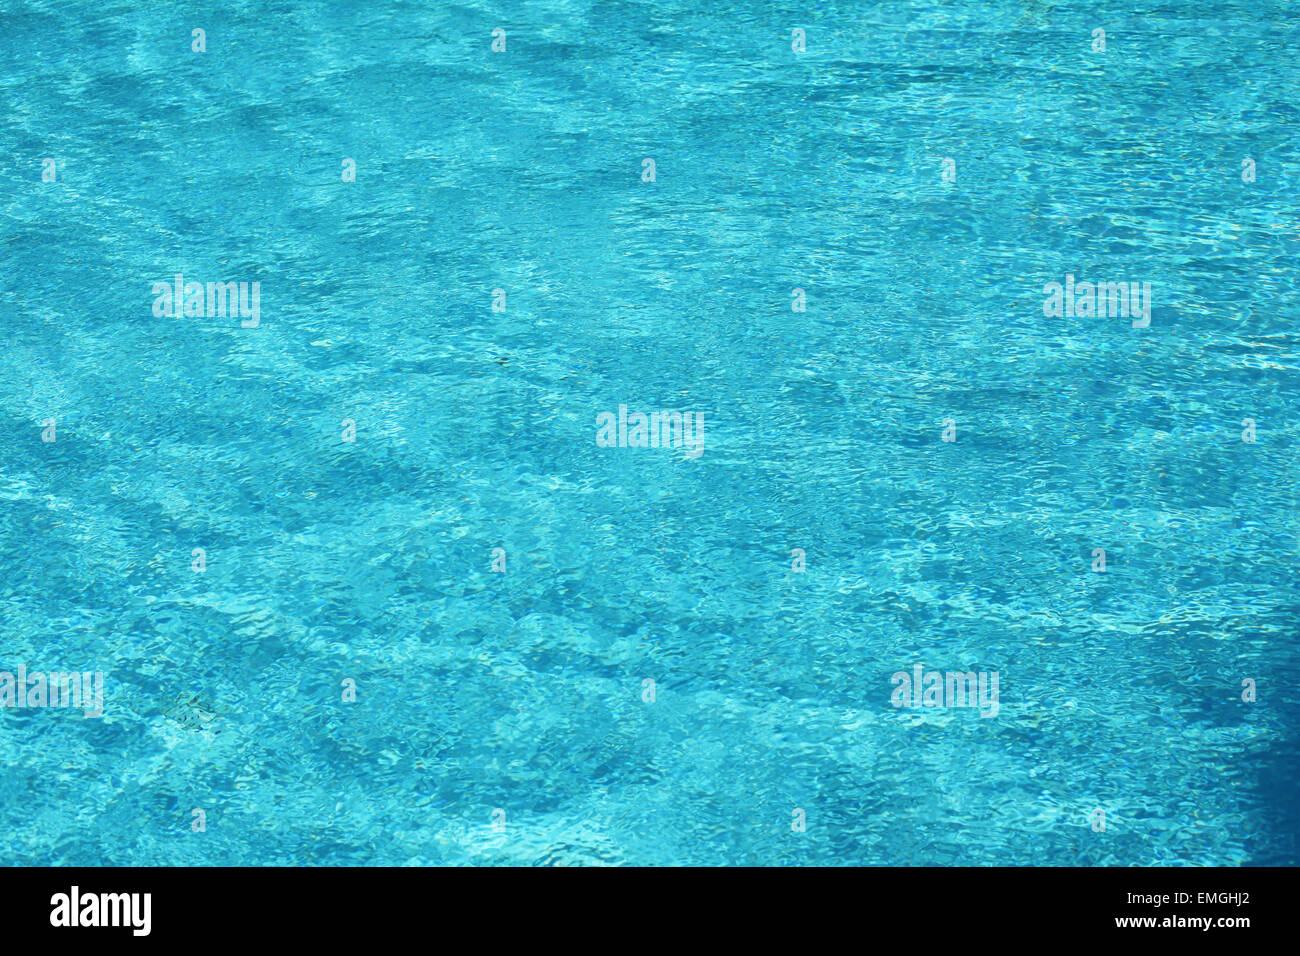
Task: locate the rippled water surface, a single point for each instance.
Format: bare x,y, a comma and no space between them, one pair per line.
520,697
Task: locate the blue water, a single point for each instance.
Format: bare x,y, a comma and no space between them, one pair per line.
504,718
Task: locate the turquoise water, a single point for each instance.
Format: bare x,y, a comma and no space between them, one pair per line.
502,718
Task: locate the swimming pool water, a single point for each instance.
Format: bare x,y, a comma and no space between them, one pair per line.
502,270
